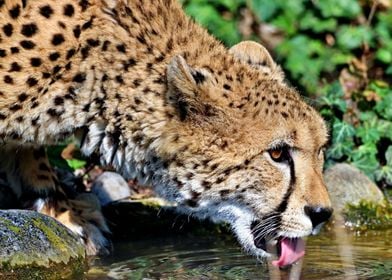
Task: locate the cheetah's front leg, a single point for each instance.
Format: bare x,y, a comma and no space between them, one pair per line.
34,182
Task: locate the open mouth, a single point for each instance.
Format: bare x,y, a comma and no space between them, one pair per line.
288,250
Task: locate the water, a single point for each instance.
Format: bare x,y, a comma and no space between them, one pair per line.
330,255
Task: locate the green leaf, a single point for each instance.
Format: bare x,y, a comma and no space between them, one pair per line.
384,55
364,157
388,156
310,22
342,131
76,163
264,9
352,37
384,173
339,8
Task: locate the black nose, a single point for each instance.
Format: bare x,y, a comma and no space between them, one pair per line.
318,214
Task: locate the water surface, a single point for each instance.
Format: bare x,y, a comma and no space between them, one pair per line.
330,255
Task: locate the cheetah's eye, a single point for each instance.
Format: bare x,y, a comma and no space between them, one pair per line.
280,154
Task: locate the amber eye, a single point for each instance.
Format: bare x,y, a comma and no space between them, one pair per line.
280,154
276,154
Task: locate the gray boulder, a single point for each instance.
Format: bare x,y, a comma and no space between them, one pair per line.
35,246
347,184
109,187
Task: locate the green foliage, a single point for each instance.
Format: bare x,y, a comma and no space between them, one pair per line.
369,215
368,143
209,14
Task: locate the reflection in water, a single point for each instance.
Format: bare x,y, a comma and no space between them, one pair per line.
190,257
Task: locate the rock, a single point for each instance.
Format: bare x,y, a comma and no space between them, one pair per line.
109,187
35,246
347,184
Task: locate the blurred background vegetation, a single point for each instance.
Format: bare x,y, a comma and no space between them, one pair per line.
338,53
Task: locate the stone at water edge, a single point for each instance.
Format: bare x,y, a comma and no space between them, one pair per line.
109,187
347,184
35,246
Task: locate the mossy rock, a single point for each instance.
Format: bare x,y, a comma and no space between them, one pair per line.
35,246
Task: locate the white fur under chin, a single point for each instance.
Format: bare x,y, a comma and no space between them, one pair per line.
237,216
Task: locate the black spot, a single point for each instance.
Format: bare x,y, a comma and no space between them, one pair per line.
227,87
34,121
15,107
19,119
14,50
15,67
83,4
29,30
46,11
105,45
27,44
136,82
2,116
121,48
87,24
79,78
93,42
8,80
198,77
61,24
54,56
68,10
1,3
15,11
141,39
86,107
58,100
7,29
224,193
284,115
34,105
130,63
57,39
35,62
53,113
3,53
70,53
85,51
76,31
68,66
32,81
56,69
119,79
22,97
45,75
160,58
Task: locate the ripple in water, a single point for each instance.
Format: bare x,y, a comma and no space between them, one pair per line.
185,257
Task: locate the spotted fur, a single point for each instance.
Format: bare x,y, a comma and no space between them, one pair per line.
162,101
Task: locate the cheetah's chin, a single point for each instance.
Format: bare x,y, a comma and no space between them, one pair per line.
285,250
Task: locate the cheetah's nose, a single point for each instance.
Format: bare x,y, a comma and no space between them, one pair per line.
318,214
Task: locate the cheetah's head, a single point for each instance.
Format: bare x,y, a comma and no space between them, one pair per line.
243,148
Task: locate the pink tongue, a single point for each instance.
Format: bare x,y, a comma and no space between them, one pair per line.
292,250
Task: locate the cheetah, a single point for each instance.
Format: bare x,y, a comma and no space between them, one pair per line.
217,131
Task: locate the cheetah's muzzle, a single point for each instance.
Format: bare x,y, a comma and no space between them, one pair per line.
288,250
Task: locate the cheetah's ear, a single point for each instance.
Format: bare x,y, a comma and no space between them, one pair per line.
183,83
257,56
